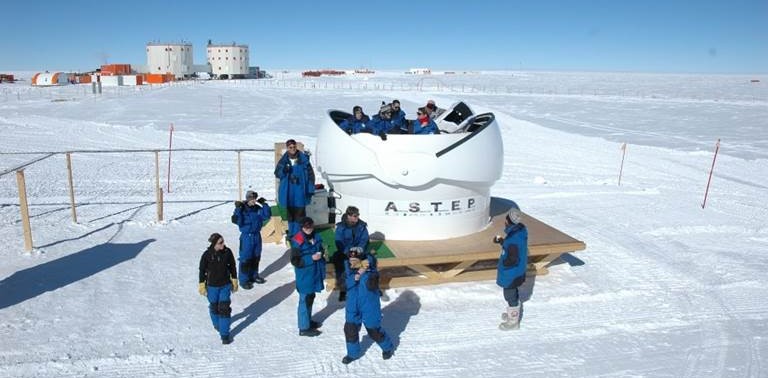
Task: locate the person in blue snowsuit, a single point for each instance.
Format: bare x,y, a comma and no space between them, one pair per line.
381,123
249,217
217,282
399,123
363,306
309,266
356,123
512,265
297,185
350,232
424,124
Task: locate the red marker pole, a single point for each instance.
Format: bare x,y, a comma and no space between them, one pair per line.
623,154
170,144
706,191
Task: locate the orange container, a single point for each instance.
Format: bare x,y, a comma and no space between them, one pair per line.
115,69
155,78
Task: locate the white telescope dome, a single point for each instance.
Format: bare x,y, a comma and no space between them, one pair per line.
415,187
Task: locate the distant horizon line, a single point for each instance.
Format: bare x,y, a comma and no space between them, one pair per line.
442,71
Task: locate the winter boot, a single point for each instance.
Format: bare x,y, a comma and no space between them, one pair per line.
342,296
247,286
309,332
315,325
346,360
511,319
226,340
387,354
259,280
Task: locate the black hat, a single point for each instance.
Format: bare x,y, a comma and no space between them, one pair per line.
307,222
356,108
290,142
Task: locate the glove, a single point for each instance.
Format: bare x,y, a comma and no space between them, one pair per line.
373,282
383,136
287,168
201,289
238,204
262,200
235,286
354,263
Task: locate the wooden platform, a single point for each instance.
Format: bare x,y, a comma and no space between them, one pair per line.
467,258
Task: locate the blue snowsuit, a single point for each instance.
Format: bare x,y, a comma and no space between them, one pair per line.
249,220
353,125
297,185
513,262
363,307
429,128
379,125
310,274
347,237
399,122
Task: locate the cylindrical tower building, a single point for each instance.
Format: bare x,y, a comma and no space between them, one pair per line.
230,60
173,58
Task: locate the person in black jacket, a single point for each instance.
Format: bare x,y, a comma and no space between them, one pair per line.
218,280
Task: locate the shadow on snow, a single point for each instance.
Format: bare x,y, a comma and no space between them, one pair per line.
31,282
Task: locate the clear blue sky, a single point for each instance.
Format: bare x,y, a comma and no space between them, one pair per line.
712,36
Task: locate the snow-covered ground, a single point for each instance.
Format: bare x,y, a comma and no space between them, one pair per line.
664,288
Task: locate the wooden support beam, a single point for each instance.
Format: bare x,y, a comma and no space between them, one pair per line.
426,271
22,185
158,189
458,269
71,187
239,179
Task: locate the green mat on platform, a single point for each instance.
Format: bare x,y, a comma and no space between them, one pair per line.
329,237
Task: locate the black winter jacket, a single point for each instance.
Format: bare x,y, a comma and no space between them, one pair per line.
217,267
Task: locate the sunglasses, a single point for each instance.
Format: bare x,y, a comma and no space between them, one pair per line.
419,113
353,215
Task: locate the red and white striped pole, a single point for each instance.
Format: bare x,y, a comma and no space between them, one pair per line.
706,191
623,154
170,144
